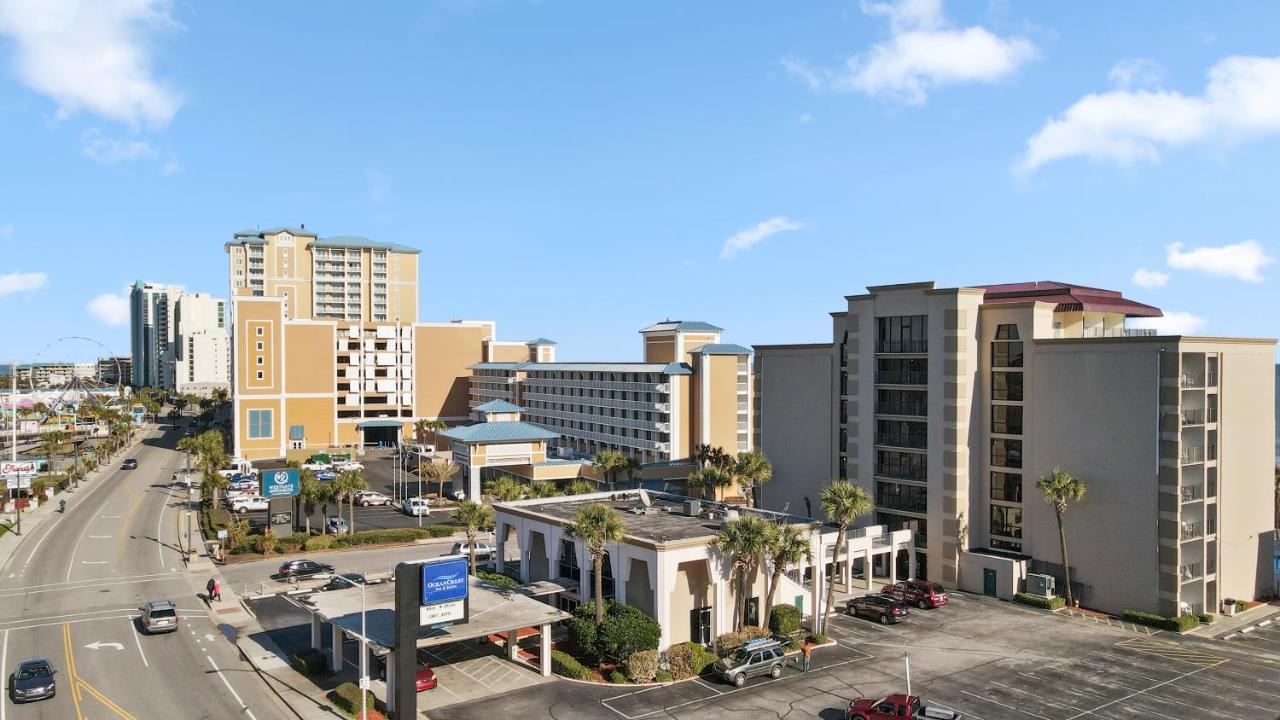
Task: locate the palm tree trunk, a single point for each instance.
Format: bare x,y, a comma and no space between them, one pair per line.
1066,569
597,562
831,579
471,551
351,513
774,579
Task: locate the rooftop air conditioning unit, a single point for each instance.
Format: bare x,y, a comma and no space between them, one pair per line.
1041,585
692,508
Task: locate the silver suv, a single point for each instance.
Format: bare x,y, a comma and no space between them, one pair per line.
757,657
159,616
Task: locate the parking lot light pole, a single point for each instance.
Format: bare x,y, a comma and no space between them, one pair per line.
13,406
364,658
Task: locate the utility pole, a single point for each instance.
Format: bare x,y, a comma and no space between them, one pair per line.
13,405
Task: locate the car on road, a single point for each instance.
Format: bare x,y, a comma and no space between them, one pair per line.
326,475
298,569
129,464
159,616
484,551
415,506
249,503
336,524
32,680
346,580
764,656
922,594
250,485
897,707
877,607
369,497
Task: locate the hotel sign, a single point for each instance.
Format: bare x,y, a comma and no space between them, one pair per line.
445,586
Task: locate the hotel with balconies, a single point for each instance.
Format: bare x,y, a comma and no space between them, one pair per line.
947,405
328,350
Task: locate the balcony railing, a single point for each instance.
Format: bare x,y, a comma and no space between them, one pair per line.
1191,455
1211,453
1192,531
1191,382
909,409
1211,414
1097,332
917,441
1193,417
889,501
902,472
902,377
1190,572
902,346
1192,493
570,571
1211,379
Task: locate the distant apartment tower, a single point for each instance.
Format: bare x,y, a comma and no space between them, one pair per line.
53,374
327,349
689,390
116,370
947,405
152,332
201,352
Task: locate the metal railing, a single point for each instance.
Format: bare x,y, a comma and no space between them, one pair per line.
1211,379
1193,417
1192,531
1190,572
902,377
917,441
902,346
907,409
1192,493
1191,382
1192,455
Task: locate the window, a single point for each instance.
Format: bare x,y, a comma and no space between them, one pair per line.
1006,354
259,346
1006,419
260,376
895,496
904,465
700,625
260,361
902,334
1007,332
1006,521
751,616
259,331
1006,486
902,433
902,402
844,468
1006,453
844,411
902,371
260,424
844,440
1006,386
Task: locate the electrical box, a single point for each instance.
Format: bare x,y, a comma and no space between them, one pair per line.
1042,585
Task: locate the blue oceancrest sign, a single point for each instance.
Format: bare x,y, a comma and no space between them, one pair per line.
444,581
280,483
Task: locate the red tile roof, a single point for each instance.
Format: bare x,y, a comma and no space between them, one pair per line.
1069,298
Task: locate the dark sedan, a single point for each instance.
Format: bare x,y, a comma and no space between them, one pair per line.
878,607
129,464
33,680
297,569
344,581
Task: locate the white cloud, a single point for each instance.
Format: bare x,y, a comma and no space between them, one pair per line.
1143,277
923,52
757,234
1173,323
1243,260
110,309
109,151
1241,101
92,55
1136,71
18,282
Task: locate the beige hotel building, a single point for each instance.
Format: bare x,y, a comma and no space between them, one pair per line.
328,350
947,405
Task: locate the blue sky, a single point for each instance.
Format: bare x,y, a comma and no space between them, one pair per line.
580,170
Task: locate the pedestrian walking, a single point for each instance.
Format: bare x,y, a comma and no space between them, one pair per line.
209,588
806,656
217,591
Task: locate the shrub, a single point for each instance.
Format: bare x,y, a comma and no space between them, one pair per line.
391,535
689,659
582,636
1241,606
664,676
731,641
1207,618
1047,603
308,662
818,639
1179,624
642,665
293,543
497,579
626,630
617,678
347,698
319,542
784,620
563,664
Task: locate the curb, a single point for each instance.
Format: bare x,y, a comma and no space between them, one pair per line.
592,683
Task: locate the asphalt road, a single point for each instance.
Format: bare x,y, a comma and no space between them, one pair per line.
70,592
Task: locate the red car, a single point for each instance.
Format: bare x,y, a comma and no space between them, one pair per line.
423,680
897,707
920,593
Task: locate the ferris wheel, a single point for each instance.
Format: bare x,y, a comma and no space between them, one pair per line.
75,386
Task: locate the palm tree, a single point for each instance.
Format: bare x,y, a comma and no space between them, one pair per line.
709,479
1059,488
440,472
843,503
580,486
505,488
707,455
211,456
221,396
787,547
744,540
543,489
311,492
51,444
422,427
477,518
751,470
608,463
345,487
596,526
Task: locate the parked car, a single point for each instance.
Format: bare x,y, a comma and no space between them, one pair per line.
920,593
315,466
249,503
897,707
32,680
304,569
484,551
348,465
159,616
370,497
129,464
250,485
335,524
344,581
424,679
878,607
757,657
326,475
415,506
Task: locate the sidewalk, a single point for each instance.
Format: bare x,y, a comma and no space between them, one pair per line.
1242,622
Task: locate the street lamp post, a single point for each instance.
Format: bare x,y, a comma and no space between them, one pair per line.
13,405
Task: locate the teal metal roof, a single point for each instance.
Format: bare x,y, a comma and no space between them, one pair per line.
541,341
498,366
683,326
497,432
677,369
499,406
635,367
249,234
379,424
556,462
355,241
722,349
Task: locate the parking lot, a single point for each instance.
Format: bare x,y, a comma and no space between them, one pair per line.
986,659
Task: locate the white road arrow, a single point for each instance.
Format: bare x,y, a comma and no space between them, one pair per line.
100,645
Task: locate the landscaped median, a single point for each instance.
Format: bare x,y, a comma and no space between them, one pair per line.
1180,624
1046,603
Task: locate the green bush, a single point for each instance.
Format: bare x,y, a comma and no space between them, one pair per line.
818,639
498,579
730,641
1047,603
617,678
391,535
1179,624
563,664
689,659
1241,606
293,543
347,698
582,632
626,630
319,542
784,620
642,665
664,676
308,662
1207,618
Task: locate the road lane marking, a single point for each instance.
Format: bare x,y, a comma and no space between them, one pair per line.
82,584
71,670
94,562
234,694
98,645
1007,707
75,548
99,537
160,523
36,547
80,614
137,637
106,701
124,526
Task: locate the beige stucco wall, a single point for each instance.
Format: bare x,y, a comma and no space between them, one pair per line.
316,415
723,380
659,348
441,378
311,357
797,406
692,590
509,352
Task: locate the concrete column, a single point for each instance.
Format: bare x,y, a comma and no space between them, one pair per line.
893,565
911,561
544,654
315,632
658,573
500,545
846,552
473,483
513,637
335,650
390,700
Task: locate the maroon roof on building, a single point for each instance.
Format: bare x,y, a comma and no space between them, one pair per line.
1069,298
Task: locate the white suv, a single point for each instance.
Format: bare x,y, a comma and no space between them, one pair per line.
415,506
249,503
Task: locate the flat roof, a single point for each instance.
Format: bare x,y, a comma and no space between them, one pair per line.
493,609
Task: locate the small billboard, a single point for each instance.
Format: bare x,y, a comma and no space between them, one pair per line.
280,483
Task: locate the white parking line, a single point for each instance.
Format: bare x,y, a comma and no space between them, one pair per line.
138,639
236,695
1136,693
1007,707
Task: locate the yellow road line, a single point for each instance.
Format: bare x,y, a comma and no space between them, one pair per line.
124,528
105,701
71,669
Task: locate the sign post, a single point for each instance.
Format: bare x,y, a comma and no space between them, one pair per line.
280,487
432,593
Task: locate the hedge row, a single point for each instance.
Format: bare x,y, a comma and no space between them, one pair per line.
299,542
498,579
784,620
347,698
730,641
1179,624
309,661
563,664
1048,603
